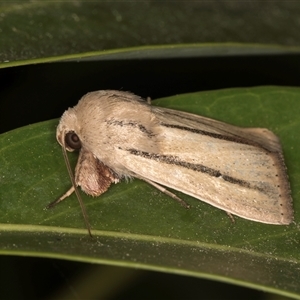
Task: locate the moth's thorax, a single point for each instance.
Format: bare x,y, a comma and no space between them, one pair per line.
109,126
106,126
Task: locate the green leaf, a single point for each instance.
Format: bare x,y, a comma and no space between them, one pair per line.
39,29
135,225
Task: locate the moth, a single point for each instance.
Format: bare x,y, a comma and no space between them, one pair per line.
119,135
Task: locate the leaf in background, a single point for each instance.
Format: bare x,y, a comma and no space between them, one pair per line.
39,29
135,225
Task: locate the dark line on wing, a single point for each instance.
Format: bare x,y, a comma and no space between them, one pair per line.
211,134
232,137
187,118
133,124
174,160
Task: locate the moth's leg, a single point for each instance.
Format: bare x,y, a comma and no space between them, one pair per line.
64,196
230,216
165,191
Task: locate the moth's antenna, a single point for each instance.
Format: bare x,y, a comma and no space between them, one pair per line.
85,216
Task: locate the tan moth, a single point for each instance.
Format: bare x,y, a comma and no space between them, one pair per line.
119,135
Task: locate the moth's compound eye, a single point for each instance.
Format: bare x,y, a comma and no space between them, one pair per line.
72,140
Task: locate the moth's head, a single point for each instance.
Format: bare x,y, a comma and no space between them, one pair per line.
67,131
